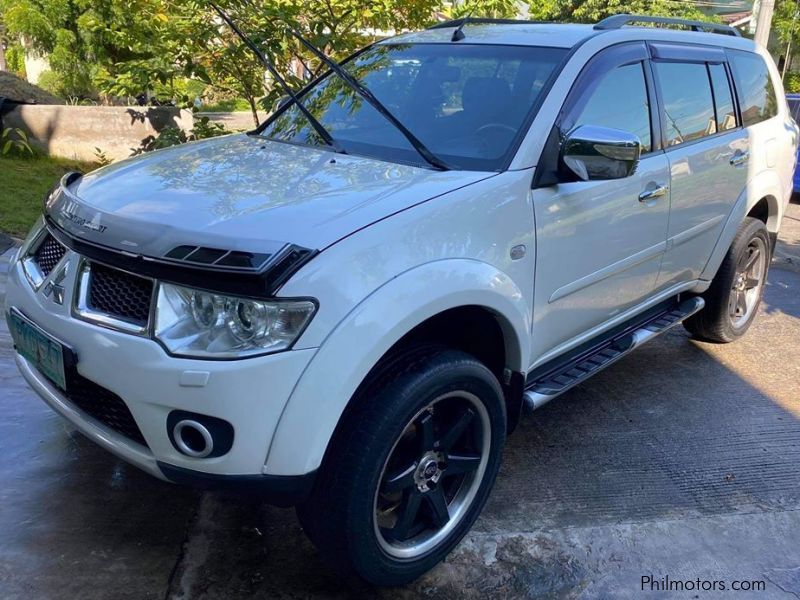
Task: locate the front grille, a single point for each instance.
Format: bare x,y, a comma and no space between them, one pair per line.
120,294
48,254
103,405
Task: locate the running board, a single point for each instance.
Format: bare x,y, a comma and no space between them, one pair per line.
606,353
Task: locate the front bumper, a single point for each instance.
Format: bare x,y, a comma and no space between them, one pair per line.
250,394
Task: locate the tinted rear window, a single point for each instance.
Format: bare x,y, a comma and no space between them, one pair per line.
688,103
754,87
723,99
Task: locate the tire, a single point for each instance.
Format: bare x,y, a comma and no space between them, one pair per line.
392,454
734,296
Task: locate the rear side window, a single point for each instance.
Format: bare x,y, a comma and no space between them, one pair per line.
754,87
688,103
723,99
620,101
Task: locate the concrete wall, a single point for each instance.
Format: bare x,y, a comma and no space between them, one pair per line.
235,121
75,131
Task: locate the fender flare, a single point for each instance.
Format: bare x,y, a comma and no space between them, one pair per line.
764,185
322,393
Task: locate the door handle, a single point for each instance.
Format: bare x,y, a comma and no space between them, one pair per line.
654,193
739,158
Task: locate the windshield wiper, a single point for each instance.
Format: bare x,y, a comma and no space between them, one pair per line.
367,95
318,127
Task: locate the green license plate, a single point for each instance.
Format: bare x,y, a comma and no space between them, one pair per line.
39,348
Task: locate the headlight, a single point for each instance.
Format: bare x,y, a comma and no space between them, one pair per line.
192,322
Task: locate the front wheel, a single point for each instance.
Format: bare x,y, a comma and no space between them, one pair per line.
733,299
410,467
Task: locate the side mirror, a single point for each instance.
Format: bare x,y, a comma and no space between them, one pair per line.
593,153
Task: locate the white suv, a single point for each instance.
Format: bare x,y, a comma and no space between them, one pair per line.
349,307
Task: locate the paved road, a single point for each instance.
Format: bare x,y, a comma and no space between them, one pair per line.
681,461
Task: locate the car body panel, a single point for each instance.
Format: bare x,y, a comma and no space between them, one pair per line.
243,193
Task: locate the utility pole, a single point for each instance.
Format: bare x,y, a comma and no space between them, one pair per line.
764,21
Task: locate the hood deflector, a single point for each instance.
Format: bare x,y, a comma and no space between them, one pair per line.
258,274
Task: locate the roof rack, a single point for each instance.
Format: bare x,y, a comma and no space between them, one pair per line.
619,21
479,21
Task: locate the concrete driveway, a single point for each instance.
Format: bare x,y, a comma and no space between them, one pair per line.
679,462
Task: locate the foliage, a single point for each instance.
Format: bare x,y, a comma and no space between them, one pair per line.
591,11
174,48
173,136
15,141
26,181
101,158
15,59
791,82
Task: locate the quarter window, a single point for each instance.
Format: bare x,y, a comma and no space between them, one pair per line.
620,102
754,86
688,103
723,100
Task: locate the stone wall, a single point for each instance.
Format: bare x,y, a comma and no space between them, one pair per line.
76,131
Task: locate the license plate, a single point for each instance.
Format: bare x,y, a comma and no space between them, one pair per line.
46,353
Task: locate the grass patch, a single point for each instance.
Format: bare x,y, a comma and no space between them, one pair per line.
23,185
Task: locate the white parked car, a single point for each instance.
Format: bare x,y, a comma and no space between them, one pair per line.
349,307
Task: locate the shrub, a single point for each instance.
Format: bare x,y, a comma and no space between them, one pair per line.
14,141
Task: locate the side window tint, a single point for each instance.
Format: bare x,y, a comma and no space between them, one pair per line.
620,101
754,87
688,104
726,116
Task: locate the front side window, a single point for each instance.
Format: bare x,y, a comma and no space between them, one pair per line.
688,103
466,103
754,87
620,102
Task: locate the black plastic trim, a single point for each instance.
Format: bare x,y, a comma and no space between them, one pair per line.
598,342
279,490
264,283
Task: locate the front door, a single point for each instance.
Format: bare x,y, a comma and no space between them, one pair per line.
599,244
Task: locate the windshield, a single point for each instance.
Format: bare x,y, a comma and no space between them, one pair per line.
466,103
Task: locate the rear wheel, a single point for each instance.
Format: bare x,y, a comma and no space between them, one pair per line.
733,299
410,469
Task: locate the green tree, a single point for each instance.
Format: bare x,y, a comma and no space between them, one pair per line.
786,24
591,11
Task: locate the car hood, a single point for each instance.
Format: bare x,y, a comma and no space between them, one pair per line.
243,193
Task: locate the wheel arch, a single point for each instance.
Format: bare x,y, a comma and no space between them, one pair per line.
409,308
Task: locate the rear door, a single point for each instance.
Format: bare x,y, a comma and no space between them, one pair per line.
707,150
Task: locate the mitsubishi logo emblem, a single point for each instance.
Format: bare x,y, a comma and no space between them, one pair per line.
54,289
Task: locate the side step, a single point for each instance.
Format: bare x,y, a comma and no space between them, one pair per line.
556,382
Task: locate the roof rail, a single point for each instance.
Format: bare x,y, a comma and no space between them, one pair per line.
479,21
619,21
